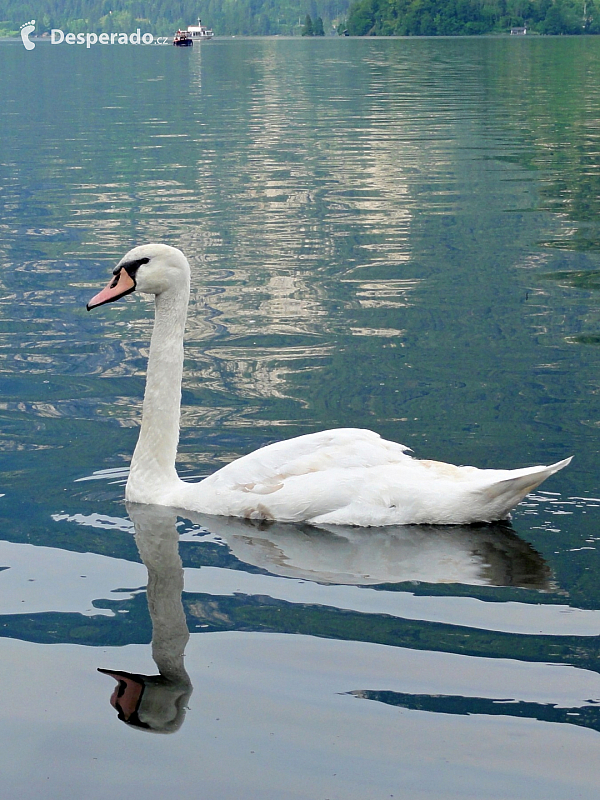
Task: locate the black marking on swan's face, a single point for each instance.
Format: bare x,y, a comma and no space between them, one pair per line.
131,267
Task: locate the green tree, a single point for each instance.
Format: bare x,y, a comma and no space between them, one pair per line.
318,27
361,19
307,28
559,20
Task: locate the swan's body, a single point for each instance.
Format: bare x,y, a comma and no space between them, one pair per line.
344,476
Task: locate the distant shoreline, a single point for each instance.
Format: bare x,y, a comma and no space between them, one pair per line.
226,37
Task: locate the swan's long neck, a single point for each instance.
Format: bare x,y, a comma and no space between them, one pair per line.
153,464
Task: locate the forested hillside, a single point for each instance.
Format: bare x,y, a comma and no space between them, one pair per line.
467,17
242,17
289,17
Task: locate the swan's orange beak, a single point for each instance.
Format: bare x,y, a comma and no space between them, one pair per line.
120,285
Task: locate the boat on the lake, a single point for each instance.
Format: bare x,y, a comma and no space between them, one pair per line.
200,32
183,39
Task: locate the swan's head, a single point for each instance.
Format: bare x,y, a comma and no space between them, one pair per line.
150,268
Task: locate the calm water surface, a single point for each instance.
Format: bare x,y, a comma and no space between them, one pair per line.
394,234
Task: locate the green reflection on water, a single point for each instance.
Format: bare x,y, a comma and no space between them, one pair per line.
368,226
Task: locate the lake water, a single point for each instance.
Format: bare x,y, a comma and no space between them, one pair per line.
394,234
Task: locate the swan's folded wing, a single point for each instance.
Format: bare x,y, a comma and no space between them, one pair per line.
296,479
344,448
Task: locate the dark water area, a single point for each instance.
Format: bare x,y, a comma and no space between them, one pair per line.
395,234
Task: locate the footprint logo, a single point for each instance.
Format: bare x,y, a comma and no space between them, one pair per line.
27,29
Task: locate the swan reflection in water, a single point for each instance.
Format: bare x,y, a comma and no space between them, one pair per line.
477,555
158,703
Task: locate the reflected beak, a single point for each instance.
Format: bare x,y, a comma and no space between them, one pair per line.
127,694
120,285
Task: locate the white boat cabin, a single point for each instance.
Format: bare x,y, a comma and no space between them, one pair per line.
200,31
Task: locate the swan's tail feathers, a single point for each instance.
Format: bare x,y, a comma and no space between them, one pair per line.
506,493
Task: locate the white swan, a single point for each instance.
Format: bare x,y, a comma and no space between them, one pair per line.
344,476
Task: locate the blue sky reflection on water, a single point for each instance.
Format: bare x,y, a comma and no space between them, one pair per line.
394,234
